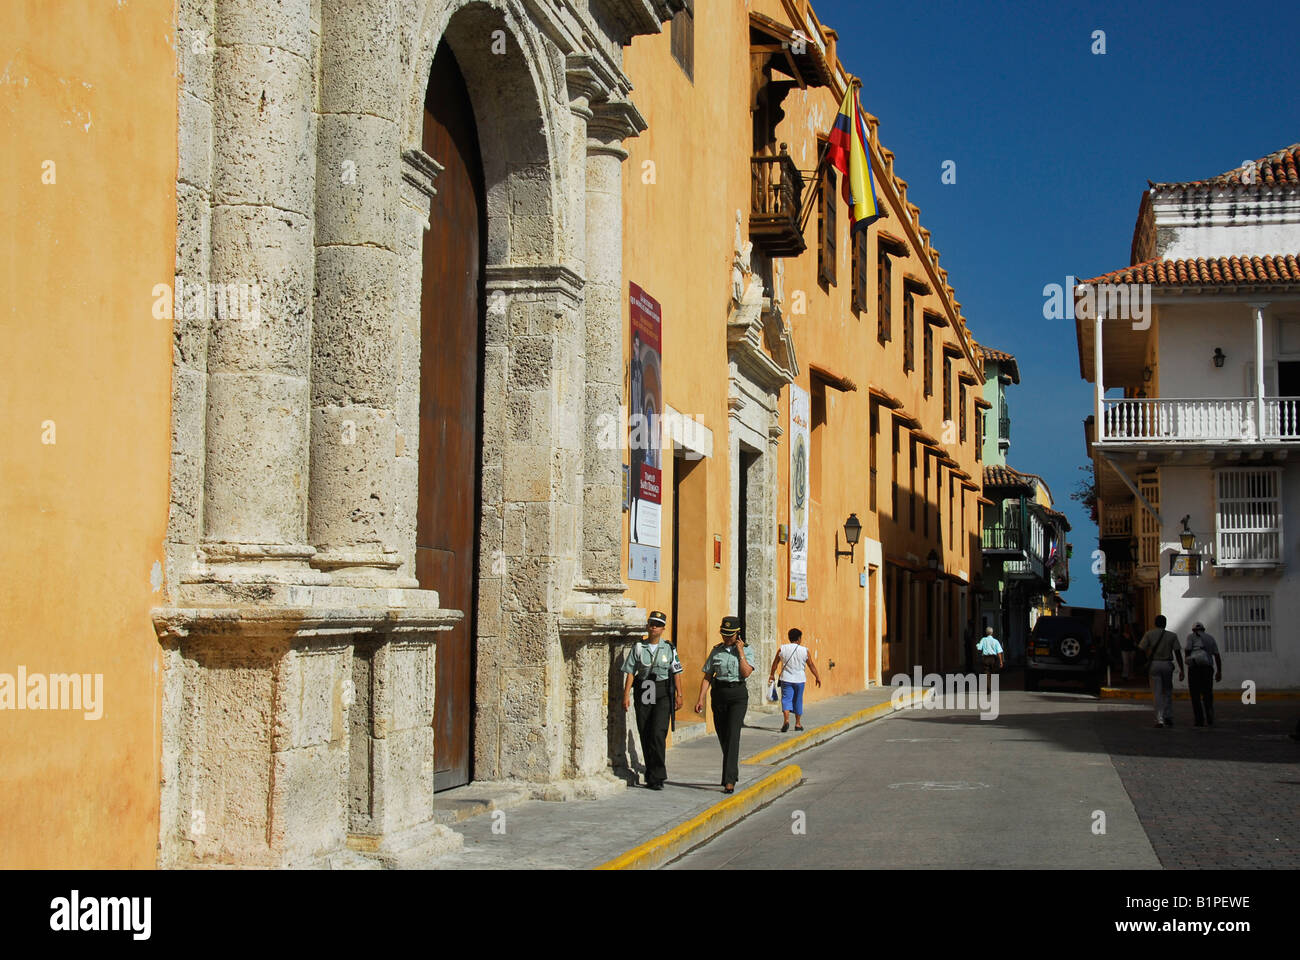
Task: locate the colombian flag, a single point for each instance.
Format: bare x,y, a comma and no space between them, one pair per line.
848,154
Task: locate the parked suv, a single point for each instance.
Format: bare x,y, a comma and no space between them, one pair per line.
1064,647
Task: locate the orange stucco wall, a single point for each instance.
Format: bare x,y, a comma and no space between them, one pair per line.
683,182
679,244
89,102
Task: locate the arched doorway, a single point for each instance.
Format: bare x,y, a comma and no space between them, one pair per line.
451,404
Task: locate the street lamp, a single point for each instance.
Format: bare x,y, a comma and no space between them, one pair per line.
1186,537
852,532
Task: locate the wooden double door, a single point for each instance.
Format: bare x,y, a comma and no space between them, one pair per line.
451,405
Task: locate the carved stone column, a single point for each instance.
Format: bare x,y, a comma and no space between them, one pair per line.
611,123
256,461
354,344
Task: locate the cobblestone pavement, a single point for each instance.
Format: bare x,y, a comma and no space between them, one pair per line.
1226,796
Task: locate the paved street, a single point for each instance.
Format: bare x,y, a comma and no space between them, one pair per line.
947,789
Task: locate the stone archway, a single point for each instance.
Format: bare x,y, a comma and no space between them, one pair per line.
299,653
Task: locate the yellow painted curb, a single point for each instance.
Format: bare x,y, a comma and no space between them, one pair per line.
816,735
1128,693
703,826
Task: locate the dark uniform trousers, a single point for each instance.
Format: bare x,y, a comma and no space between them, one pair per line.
652,724
730,701
1200,683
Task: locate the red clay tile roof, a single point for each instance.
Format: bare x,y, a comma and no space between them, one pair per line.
1280,167
1270,271
996,475
1058,517
1006,360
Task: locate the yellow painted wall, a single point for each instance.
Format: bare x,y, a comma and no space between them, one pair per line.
84,516
683,182
679,244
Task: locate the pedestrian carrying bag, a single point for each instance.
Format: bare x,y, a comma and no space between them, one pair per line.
773,688
1198,656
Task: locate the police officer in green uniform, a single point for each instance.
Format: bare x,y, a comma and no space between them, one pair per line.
653,664
725,671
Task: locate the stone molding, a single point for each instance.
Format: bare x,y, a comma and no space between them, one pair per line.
421,171
546,280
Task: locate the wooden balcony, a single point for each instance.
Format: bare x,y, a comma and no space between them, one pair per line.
1116,520
775,205
1207,420
1002,539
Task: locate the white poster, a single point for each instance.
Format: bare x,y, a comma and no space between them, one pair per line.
800,407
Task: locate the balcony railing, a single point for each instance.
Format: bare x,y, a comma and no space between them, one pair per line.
1002,538
1116,521
1211,419
1281,418
776,199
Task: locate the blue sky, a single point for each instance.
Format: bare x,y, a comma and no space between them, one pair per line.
1053,146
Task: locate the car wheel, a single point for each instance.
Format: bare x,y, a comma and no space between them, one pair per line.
1070,648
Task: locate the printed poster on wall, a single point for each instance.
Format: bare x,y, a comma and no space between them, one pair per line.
645,412
800,408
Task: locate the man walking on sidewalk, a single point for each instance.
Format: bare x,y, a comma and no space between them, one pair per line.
1160,646
1202,672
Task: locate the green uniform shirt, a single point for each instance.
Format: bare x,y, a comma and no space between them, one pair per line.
644,663
723,663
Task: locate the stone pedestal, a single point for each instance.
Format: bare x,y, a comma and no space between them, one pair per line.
289,729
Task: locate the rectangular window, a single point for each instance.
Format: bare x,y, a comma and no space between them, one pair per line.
893,476
947,388
884,297
816,436
980,413
826,227
875,432
961,416
859,271
683,40
925,506
952,495
928,358
909,336
964,538
911,485
1247,623
1248,516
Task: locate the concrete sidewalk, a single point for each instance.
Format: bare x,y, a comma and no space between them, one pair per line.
636,827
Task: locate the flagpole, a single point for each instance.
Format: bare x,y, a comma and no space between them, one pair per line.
806,213
816,177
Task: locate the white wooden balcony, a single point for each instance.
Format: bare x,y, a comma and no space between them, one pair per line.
1213,420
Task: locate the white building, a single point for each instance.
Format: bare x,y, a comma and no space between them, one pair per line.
1197,417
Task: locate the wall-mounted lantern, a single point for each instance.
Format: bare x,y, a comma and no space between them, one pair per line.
1187,538
1219,356
852,532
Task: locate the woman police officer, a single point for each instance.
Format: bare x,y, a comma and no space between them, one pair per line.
654,665
725,671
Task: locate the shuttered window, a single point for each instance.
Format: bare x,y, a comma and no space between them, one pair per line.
961,416
909,332
1248,516
927,358
826,226
1247,623
947,388
683,40
884,296
859,271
